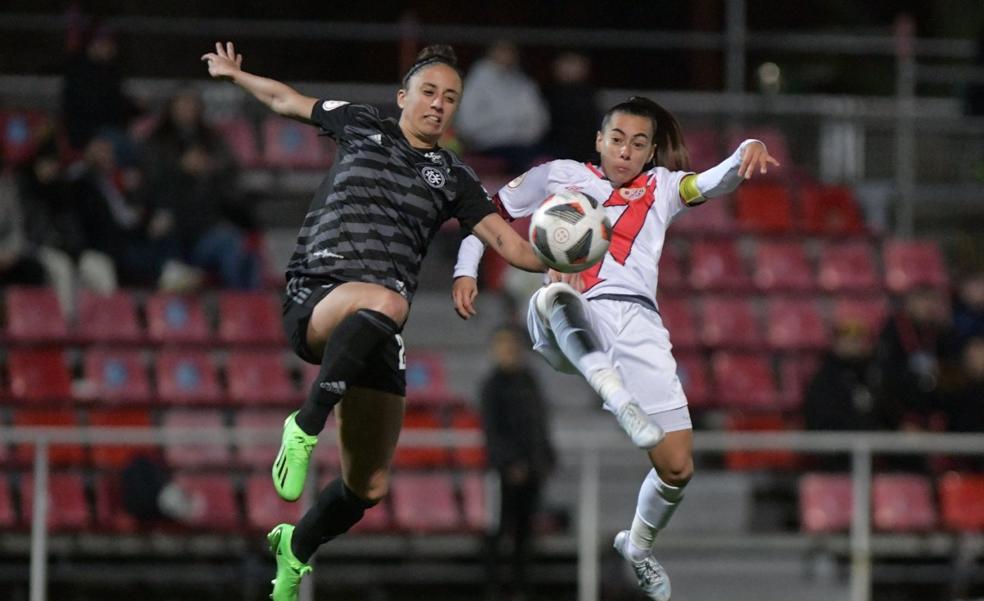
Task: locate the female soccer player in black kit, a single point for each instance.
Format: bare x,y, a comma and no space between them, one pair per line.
353,275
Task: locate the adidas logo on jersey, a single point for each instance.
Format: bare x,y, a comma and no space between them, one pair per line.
333,387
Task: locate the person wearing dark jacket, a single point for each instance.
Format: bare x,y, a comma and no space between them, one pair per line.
515,420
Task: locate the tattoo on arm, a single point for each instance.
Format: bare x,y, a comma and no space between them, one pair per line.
498,241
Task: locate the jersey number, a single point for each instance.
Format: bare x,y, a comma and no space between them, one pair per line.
624,232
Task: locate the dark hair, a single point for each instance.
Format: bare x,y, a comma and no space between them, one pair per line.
671,151
431,55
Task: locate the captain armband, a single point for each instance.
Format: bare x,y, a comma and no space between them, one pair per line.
689,191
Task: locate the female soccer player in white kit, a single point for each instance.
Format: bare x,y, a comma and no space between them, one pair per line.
610,330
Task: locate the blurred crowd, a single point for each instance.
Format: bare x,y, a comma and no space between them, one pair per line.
119,195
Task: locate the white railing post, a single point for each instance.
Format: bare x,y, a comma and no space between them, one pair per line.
39,523
736,35
861,523
587,525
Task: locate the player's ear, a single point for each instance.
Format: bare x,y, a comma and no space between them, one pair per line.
599,138
401,97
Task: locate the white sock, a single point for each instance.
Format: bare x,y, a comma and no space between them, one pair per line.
594,366
654,508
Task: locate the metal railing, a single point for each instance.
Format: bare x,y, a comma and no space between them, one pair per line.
591,447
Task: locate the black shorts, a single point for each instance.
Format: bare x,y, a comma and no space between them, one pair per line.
385,371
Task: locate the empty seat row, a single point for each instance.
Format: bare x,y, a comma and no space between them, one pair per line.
419,502
744,381
900,502
781,324
785,266
33,315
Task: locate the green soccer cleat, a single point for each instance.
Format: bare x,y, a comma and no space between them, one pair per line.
290,570
291,466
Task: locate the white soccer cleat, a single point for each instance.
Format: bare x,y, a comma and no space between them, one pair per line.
643,432
653,579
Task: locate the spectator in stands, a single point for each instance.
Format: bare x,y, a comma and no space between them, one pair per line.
114,221
968,308
517,434
54,227
93,101
965,407
503,115
910,356
18,264
573,105
191,183
150,495
352,277
842,394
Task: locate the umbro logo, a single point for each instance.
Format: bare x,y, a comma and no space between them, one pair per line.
333,387
377,138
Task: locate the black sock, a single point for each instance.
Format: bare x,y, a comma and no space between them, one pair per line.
344,358
336,510
571,328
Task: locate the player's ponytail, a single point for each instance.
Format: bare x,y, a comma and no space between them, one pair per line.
671,151
433,54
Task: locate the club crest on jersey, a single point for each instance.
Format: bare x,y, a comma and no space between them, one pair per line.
434,177
330,105
632,193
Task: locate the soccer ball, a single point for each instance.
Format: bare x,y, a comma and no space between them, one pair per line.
570,231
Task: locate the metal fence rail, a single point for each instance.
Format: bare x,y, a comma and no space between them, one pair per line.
591,447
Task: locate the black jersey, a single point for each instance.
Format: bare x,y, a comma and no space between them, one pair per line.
382,202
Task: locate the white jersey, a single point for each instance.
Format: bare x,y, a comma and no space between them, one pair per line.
640,212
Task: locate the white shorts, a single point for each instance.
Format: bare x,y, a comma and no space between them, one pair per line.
637,344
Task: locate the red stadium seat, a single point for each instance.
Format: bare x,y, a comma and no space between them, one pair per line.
670,273
111,514
21,132
778,459
213,499
176,319
107,318
716,265
472,456
744,381
39,376
679,316
692,371
782,266
848,266
704,148
34,315
260,455
795,324
474,500
68,509
249,318
428,456
116,376
870,312
902,503
264,508
713,217
825,503
293,145
8,514
190,454
764,208
58,454
260,378
187,377
960,501
830,210
116,456
910,264
795,372
424,502
240,136
730,322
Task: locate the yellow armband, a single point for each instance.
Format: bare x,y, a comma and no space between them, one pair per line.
688,191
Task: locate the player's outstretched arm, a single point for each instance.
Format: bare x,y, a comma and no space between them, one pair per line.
465,287
284,100
501,237
724,178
